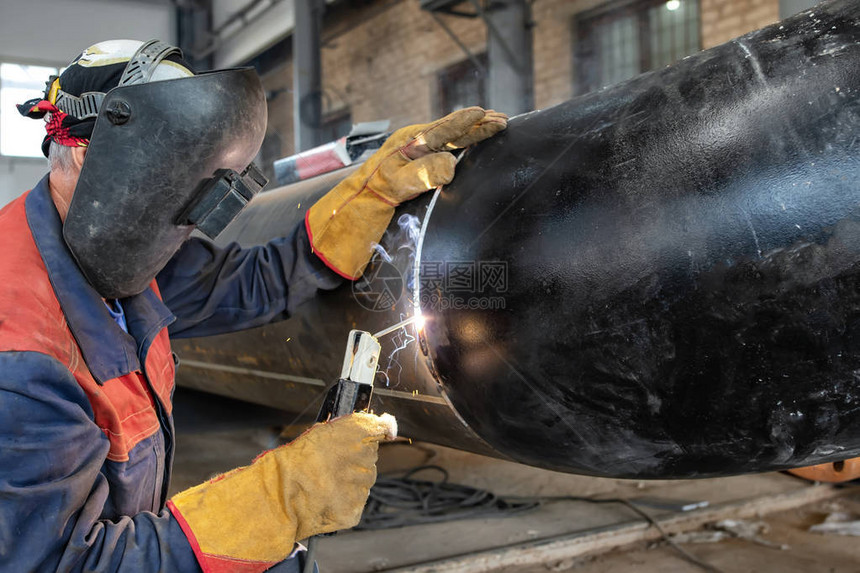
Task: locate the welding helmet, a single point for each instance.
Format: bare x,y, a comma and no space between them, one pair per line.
169,152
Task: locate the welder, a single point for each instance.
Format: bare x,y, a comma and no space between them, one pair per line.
99,270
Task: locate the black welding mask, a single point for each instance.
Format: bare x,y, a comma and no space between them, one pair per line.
165,157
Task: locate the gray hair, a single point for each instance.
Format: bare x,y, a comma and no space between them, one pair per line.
60,157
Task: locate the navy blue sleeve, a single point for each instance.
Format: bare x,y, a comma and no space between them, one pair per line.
52,491
213,290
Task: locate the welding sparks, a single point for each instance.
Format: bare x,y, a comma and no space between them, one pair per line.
407,239
401,340
414,319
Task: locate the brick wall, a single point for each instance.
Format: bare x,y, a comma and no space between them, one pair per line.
723,20
382,60
554,38
383,67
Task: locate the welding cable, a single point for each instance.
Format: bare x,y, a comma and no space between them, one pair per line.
686,555
404,501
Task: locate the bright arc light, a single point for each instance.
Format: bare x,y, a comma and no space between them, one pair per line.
419,323
673,5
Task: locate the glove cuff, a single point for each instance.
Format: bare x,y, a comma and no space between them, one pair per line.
212,563
236,521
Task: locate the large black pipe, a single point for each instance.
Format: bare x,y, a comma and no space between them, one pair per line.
289,364
665,275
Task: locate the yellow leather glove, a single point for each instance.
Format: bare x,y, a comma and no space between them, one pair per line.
250,518
345,223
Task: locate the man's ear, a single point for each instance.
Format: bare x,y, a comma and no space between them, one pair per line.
78,155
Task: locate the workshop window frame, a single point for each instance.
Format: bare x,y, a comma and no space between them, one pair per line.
622,39
21,137
458,77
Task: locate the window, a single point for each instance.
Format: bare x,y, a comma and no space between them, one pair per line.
21,136
623,39
462,85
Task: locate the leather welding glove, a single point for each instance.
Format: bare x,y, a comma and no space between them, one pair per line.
345,223
250,518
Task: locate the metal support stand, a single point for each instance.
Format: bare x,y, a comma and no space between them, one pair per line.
509,48
307,74
192,24
509,51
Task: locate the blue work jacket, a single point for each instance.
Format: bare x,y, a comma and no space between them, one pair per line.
86,432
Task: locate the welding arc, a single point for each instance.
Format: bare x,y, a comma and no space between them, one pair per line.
397,326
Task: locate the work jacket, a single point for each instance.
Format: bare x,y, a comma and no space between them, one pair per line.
86,433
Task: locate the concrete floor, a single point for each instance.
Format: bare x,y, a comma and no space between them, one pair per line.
805,553
216,434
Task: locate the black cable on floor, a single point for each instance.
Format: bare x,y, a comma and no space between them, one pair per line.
686,555
403,501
